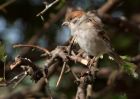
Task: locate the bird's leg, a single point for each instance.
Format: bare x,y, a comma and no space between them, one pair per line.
78,55
93,64
71,44
91,61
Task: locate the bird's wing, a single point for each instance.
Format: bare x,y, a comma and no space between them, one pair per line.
105,37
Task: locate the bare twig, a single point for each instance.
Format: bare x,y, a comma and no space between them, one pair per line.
33,46
6,4
46,26
46,8
79,59
125,25
33,90
59,56
108,6
16,78
85,86
64,64
81,90
54,18
31,41
61,74
74,74
30,68
25,74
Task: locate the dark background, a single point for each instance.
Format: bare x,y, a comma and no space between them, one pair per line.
20,25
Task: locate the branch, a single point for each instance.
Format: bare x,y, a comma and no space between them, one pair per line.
125,25
109,5
83,90
47,7
27,66
45,28
6,4
32,46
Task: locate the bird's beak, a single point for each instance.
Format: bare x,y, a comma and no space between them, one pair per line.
66,23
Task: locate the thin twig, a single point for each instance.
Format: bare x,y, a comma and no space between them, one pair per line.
69,50
25,74
107,6
47,7
74,74
123,25
79,59
6,4
71,44
80,94
21,76
16,78
64,65
33,46
61,74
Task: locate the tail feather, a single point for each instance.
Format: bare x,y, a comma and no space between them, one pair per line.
128,67
117,58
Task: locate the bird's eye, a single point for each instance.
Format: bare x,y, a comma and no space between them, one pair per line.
74,21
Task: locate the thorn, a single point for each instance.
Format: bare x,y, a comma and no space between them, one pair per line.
42,18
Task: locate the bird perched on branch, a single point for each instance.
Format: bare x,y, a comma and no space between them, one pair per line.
89,33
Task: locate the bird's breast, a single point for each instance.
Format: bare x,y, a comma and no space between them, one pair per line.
90,42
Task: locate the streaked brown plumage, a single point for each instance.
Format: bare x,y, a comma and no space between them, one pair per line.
90,35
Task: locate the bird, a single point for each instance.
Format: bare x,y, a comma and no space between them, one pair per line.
88,30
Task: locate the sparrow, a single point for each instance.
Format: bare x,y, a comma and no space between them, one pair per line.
89,33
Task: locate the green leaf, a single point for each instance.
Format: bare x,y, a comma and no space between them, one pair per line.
3,55
127,58
130,68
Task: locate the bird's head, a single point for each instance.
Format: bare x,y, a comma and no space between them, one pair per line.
73,18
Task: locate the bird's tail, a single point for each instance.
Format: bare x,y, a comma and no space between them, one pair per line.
117,58
128,67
